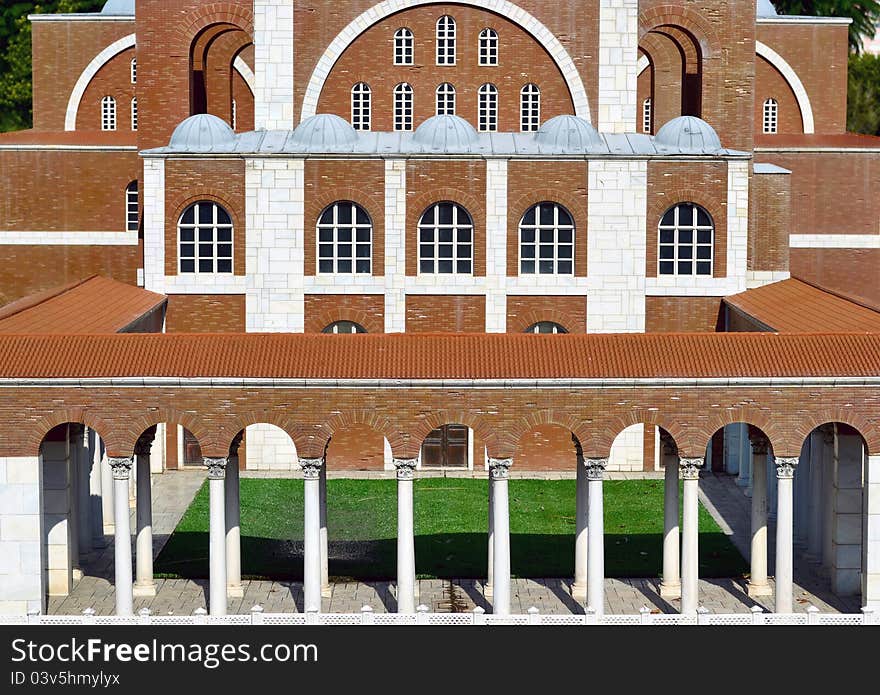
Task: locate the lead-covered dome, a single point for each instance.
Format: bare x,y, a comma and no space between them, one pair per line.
446,132
688,133
118,8
569,133
324,131
202,133
766,9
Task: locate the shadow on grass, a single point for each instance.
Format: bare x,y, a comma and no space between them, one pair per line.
445,556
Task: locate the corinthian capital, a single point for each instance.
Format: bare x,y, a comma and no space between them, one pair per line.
690,468
499,469
121,466
311,468
406,468
216,468
595,468
785,466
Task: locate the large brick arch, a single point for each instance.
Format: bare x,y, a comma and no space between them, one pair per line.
80,416
286,422
773,428
607,430
869,429
366,418
234,14
499,444
691,21
139,423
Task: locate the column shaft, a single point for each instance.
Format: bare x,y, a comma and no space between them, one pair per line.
785,468
325,539
406,555
233,530
670,587
690,552
501,537
758,584
490,574
84,500
217,535
814,530
581,540
145,585
312,540
596,534
121,470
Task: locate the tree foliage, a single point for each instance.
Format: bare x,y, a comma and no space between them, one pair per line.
864,13
863,94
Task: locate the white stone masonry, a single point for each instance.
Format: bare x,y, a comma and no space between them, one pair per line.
21,575
273,64
618,60
395,245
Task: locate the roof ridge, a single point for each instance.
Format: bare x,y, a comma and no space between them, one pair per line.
837,294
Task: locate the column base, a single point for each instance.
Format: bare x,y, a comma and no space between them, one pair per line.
487,591
326,591
76,574
235,591
755,590
109,529
145,590
579,592
670,589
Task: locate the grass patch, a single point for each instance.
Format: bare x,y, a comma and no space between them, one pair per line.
451,520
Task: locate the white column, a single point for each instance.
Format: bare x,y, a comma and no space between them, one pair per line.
581,540
273,65
785,467
618,57
217,535
871,573
406,553
670,587
595,534
121,468
144,584
233,530
690,550
311,469
325,539
109,492
96,491
758,584
499,470
490,574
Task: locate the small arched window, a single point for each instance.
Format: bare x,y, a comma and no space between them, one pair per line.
345,239
134,70
108,113
686,241
446,40
446,240
403,47
647,116
132,207
446,99
488,47
361,106
342,327
487,108
530,108
205,239
546,241
771,116
403,107
546,328
134,113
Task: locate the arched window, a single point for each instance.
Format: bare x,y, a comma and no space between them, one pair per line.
205,239
546,241
446,40
488,47
487,108
134,70
342,327
403,107
446,240
403,47
345,239
446,100
530,108
686,240
134,113
647,116
132,209
546,328
108,113
361,106
771,116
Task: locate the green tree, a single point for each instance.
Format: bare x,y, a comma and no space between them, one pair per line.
863,94
864,13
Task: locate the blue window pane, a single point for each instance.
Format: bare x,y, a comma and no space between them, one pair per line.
564,268
464,250
528,252
667,268
325,250
187,234
187,266
325,235
464,266
344,251
188,216
528,236
704,268
426,251
187,250
667,252
527,267
444,266
223,216
444,251
224,266
363,266
206,266
546,267
325,266
426,267
344,266
685,268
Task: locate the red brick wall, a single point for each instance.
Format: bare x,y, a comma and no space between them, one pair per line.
769,222
661,80
356,448
526,311
205,313
445,313
114,80
770,84
850,272
681,314
546,448
321,310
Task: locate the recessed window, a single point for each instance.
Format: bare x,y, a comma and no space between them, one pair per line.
361,106
771,116
403,107
546,241
205,239
546,328
530,108
446,100
134,113
647,116
446,40
446,240
403,47
488,47
132,208
686,239
134,70
345,239
108,113
487,108
343,327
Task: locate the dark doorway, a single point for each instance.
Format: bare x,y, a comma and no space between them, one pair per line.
446,447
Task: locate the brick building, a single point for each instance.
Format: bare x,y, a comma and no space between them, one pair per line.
479,167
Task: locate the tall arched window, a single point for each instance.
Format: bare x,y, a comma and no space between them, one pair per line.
108,113
488,47
647,116
134,113
546,241
446,40
446,240
546,328
134,70
487,108
530,108
345,239
205,239
771,116
343,327
132,209
686,240
361,106
403,107
403,47
446,100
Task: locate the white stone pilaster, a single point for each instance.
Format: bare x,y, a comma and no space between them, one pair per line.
496,246
22,581
233,529
871,573
846,542
395,245
738,222
618,60
273,64
57,505
154,224
311,469
670,587
406,554
595,534
785,468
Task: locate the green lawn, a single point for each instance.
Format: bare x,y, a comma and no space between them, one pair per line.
450,523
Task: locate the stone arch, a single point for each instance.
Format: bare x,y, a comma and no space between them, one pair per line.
99,61
499,444
209,440
869,430
794,82
79,416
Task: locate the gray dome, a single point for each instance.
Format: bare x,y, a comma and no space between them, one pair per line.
119,8
568,133
324,131
688,133
766,9
446,133
202,133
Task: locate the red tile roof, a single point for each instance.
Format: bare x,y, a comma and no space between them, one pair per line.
793,306
841,141
94,305
462,356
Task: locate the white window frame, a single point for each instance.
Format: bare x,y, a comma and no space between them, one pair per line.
134,70
361,106
108,113
333,328
530,108
677,227
647,115
771,116
403,107
555,244
446,98
404,47
535,328
488,48
132,207
134,113
215,227
434,227
334,228
446,40
487,108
